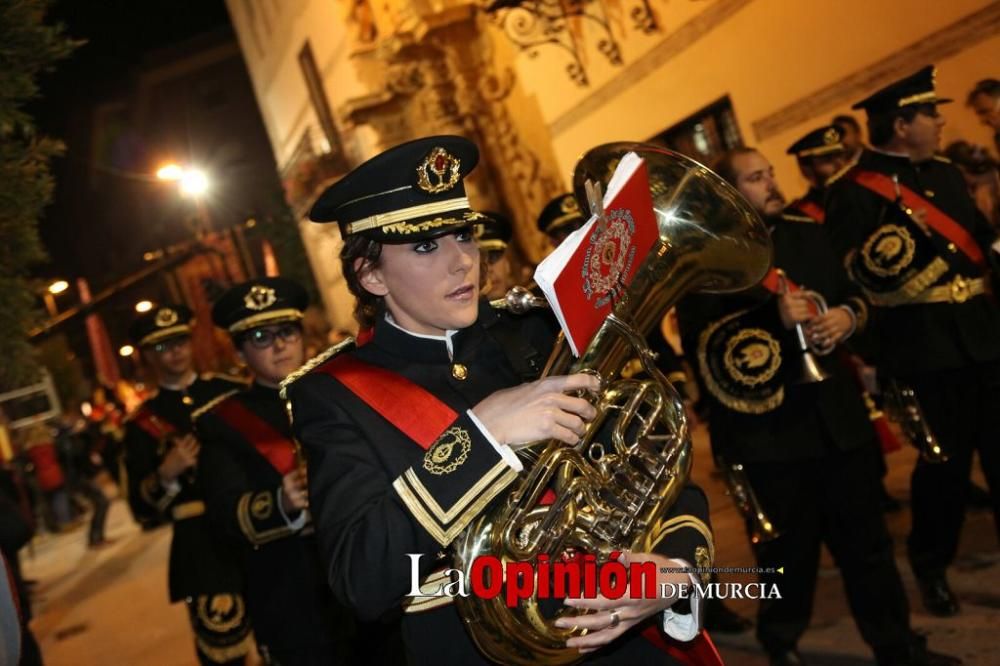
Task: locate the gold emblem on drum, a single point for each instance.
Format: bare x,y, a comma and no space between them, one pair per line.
449,452
220,613
888,251
752,356
262,506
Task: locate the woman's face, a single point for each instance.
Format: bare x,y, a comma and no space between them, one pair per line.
430,286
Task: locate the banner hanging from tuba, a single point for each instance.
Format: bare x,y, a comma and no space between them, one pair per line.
740,358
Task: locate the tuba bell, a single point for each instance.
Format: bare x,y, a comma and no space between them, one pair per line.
613,486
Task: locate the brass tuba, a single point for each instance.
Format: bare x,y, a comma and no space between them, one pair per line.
621,478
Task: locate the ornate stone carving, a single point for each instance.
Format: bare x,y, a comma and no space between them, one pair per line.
438,75
533,24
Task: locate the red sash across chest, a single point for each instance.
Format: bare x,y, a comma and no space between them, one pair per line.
810,209
423,418
935,218
152,424
414,410
276,447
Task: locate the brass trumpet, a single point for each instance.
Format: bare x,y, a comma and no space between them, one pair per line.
811,371
738,485
903,407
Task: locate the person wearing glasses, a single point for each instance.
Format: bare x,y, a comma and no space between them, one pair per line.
255,480
924,255
159,455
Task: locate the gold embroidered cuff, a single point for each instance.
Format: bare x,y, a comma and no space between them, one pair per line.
259,518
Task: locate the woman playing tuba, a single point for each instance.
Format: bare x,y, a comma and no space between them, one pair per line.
411,432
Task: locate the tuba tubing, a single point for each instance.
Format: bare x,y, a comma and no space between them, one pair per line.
633,461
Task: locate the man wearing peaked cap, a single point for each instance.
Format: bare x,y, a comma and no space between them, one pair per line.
917,245
820,154
913,90
560,217
255,481
160,324
420,192
259,303
160,454
493,233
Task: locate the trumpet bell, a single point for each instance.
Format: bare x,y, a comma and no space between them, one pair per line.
810,371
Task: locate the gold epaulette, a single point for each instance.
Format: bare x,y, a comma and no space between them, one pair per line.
840,174
205,376
942,158
208,406
314,362
791,217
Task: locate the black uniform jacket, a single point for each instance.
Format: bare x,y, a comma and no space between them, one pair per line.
778,419
912,339
200,562
290,604
808,207
377,497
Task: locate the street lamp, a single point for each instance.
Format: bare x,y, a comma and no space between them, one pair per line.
143,306
192,181
170,172
126,350
50,293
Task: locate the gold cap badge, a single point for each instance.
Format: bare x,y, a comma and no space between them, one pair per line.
439,172
259,297
166,317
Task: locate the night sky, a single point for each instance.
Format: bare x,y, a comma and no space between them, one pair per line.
118,34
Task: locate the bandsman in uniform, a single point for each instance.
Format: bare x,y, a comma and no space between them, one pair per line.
255,482
560,217
912,238
493,233
410,432
819,154
803,438
160,454
850,135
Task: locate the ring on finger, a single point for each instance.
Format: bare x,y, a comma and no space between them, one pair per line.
615,619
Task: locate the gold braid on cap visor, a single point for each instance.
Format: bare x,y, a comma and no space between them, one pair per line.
264,318
164,333
404,214
929,96
821,150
